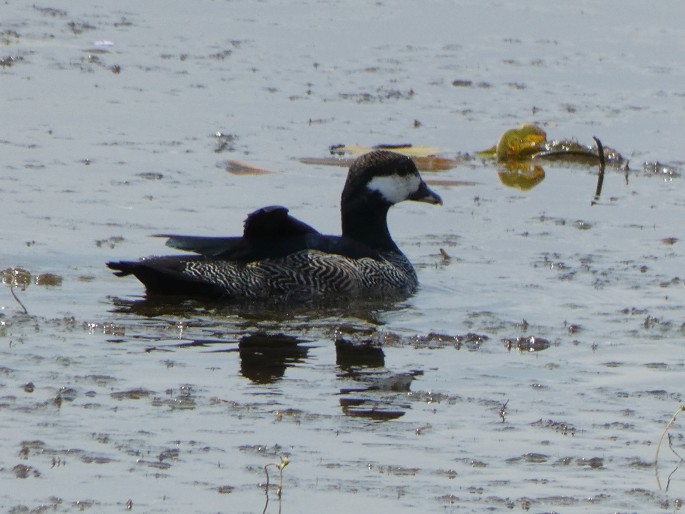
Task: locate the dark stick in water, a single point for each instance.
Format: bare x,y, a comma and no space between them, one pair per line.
600,177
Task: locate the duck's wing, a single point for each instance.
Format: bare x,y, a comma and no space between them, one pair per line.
269,233
274,221
207,246
268,225
248,250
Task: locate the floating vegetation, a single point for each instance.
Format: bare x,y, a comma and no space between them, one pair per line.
150,175
380,95
21,278
132,394
16,277
9,61
558,426
527,344
521,143
663,170
520,151
8,36
110,242
224,142
24,471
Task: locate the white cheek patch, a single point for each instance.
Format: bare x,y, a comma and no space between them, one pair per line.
394,188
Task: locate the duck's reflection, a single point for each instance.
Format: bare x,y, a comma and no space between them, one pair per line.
265,357
377,397
350,356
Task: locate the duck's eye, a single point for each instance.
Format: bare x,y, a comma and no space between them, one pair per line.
395,188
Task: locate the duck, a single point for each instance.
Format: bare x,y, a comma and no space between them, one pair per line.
280,257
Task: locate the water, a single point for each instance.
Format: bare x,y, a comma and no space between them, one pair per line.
107,399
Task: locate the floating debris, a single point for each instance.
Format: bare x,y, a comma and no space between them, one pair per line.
103,45
24,471
224,142
110,242
529,141
132,394
659,169
426,158
16,277
150,175
402,148
9,61
558,426
241,168
527,344
48,279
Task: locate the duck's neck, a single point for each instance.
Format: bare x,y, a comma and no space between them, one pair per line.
366,222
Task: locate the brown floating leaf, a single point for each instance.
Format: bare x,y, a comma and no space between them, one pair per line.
326,161
241,168
450,183
422,163
433,163
403,148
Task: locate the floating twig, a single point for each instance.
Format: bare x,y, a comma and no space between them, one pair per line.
503,411
600,176
18,300
661,439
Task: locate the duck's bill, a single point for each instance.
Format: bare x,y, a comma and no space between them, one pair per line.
426,195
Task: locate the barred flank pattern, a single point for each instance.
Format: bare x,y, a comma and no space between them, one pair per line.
308,273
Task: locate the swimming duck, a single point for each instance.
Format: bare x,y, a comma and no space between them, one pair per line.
281,257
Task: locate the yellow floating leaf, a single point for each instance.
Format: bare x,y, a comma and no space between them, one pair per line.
490,153
521,143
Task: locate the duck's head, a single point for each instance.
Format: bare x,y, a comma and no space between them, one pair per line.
387,178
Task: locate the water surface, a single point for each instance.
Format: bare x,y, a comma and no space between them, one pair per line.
110,119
